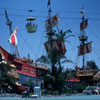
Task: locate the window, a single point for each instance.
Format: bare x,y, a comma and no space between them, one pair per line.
25,69
32,71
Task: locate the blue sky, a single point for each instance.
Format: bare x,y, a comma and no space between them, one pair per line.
69,16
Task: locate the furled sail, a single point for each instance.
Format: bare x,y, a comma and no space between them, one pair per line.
83,49
55,45
52,22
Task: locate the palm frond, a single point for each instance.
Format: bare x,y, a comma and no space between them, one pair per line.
67,41
43,59
70,36
67,60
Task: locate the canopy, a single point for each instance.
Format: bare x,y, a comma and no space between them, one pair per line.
30,18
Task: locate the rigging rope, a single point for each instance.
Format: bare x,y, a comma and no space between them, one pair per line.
98,56
72,12
41,41
97,38
28,45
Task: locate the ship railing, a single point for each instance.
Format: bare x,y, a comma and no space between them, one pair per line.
38,65
35,64
85,72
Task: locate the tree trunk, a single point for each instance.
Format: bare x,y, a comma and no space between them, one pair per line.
53,69
60,68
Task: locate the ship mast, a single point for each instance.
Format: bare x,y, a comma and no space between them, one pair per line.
9,23
83,38
84,48
51,31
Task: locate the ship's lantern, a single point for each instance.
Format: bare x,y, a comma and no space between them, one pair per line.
55,45
31,27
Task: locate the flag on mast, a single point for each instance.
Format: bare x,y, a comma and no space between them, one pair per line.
83,49
82,11
13,38
52,22
84,24
55,45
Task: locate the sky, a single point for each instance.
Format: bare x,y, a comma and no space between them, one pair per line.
70,18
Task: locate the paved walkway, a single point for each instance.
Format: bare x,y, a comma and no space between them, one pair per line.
90,97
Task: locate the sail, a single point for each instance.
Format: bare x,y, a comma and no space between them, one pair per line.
83,49
52,22
55,45
84,24
51,45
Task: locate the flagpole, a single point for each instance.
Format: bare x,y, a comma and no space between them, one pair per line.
50,32
17,52
9,23
83,43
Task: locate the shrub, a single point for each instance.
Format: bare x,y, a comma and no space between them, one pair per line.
80,88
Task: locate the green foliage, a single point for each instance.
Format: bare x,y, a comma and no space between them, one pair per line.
2,78
80,87
92,65
62,36
43,59
56,92
29,83
53,56
55,79
44,91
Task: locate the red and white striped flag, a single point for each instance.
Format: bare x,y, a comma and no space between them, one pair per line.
13,38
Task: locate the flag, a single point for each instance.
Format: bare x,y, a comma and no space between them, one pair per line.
83,49
82,11
84,24
13,38
52,22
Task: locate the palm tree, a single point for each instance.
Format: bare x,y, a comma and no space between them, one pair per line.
62,37
43,59
54,58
